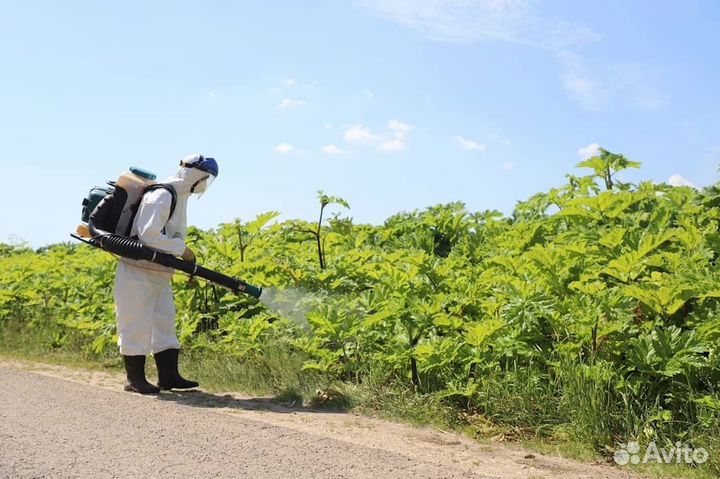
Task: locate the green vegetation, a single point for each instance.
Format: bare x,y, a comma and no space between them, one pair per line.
591,315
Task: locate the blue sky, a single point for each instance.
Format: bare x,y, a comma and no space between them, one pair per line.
391,104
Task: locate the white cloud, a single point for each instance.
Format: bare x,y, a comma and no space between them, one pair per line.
289,82
289,103
508,165
467,21
359,134
583,84
585,91
327,125
593,149
284,148
332,150
593,87
650,98
393,145
677,180
392,139
399,129
470,145
596,86
211,93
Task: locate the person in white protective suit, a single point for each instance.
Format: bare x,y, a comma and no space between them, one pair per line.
145,309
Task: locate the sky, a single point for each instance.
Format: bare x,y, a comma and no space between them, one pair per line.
393,105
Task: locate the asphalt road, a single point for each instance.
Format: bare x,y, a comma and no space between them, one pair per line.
54,427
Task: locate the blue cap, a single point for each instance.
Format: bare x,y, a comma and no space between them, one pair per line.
201,163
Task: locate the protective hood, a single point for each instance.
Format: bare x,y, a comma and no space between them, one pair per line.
184,180
157,231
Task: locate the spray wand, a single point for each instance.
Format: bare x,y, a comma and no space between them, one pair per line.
132,249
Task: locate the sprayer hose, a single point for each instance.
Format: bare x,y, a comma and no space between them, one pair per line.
123,246
134,249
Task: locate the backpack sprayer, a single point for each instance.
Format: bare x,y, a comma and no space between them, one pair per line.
107,217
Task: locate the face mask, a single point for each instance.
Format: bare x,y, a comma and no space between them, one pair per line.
202,185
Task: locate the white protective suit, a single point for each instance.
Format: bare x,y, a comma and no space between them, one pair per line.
144,304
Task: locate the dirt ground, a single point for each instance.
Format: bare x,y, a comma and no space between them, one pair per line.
61,422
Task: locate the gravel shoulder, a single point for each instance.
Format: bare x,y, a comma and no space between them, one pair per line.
62,422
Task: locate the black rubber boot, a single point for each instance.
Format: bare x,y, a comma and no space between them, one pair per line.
136,382
168,375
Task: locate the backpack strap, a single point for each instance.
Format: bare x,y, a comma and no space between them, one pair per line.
168,188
